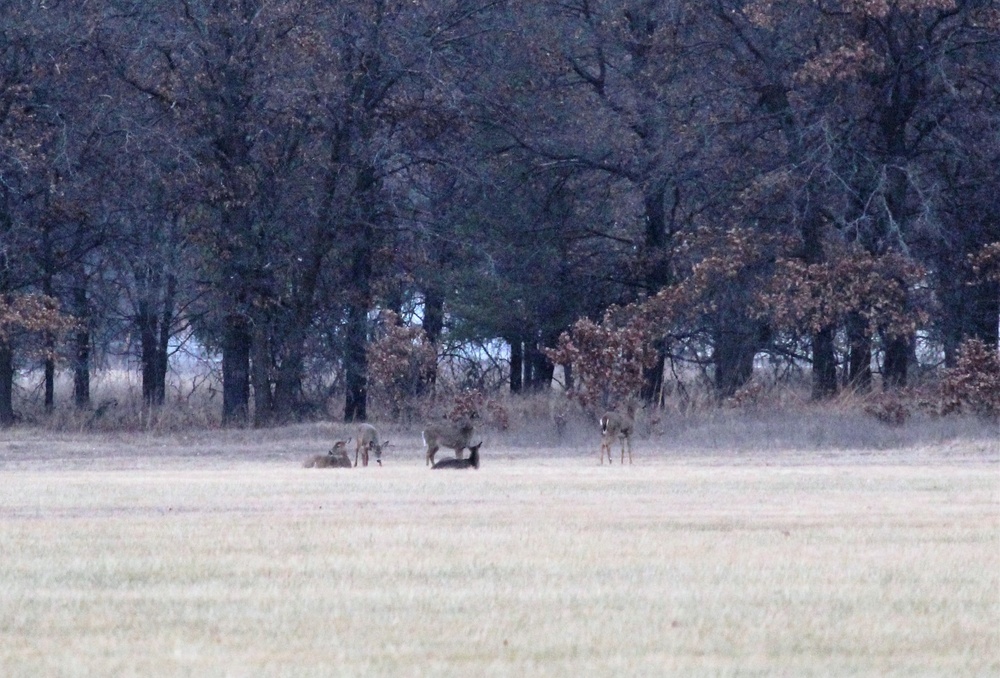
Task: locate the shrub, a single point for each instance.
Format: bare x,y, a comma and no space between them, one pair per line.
973,384
401,362
889,407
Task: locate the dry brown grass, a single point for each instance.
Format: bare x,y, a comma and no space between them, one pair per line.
217,554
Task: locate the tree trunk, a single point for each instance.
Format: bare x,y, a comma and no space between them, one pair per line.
356,363
970,308
516,365
287,387
530,363
652,377
163,346
288,377
359,302
859,358
733,354
280,341
983,296
824,381
433,326
81,370
6,385
657,274
146,320
824,360
894,368
433,314
546,370
897,108
49,340
260,376
81,357
236,346
154,314
50,372
6,352
541,368
985,315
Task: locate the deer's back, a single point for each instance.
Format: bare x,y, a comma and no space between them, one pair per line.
614,423
449,435
367,434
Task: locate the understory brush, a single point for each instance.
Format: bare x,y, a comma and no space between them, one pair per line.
759,417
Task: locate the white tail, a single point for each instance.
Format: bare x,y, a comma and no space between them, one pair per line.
471,462
617,425
368,442
455,436
335,458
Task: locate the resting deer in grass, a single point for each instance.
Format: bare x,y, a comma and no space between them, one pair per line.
335,458
471,462
368,442
453,435
617,425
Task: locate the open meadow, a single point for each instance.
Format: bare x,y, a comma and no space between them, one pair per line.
217,554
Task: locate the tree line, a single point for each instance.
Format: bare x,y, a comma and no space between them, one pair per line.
346,187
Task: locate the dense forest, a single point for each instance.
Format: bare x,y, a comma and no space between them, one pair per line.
330,197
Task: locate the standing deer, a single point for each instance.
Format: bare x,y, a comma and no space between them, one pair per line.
335,458
471,462
368,442
453,435
617,425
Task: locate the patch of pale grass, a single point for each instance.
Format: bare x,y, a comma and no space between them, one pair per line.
559,568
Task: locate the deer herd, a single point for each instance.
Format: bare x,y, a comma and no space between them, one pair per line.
457,436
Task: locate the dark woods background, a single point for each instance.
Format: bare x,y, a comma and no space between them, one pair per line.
334,197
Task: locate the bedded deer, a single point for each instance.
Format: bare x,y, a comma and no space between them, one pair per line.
617,425
368,442
471,462
453,435
335,458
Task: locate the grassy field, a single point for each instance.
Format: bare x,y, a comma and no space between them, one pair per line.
218,555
